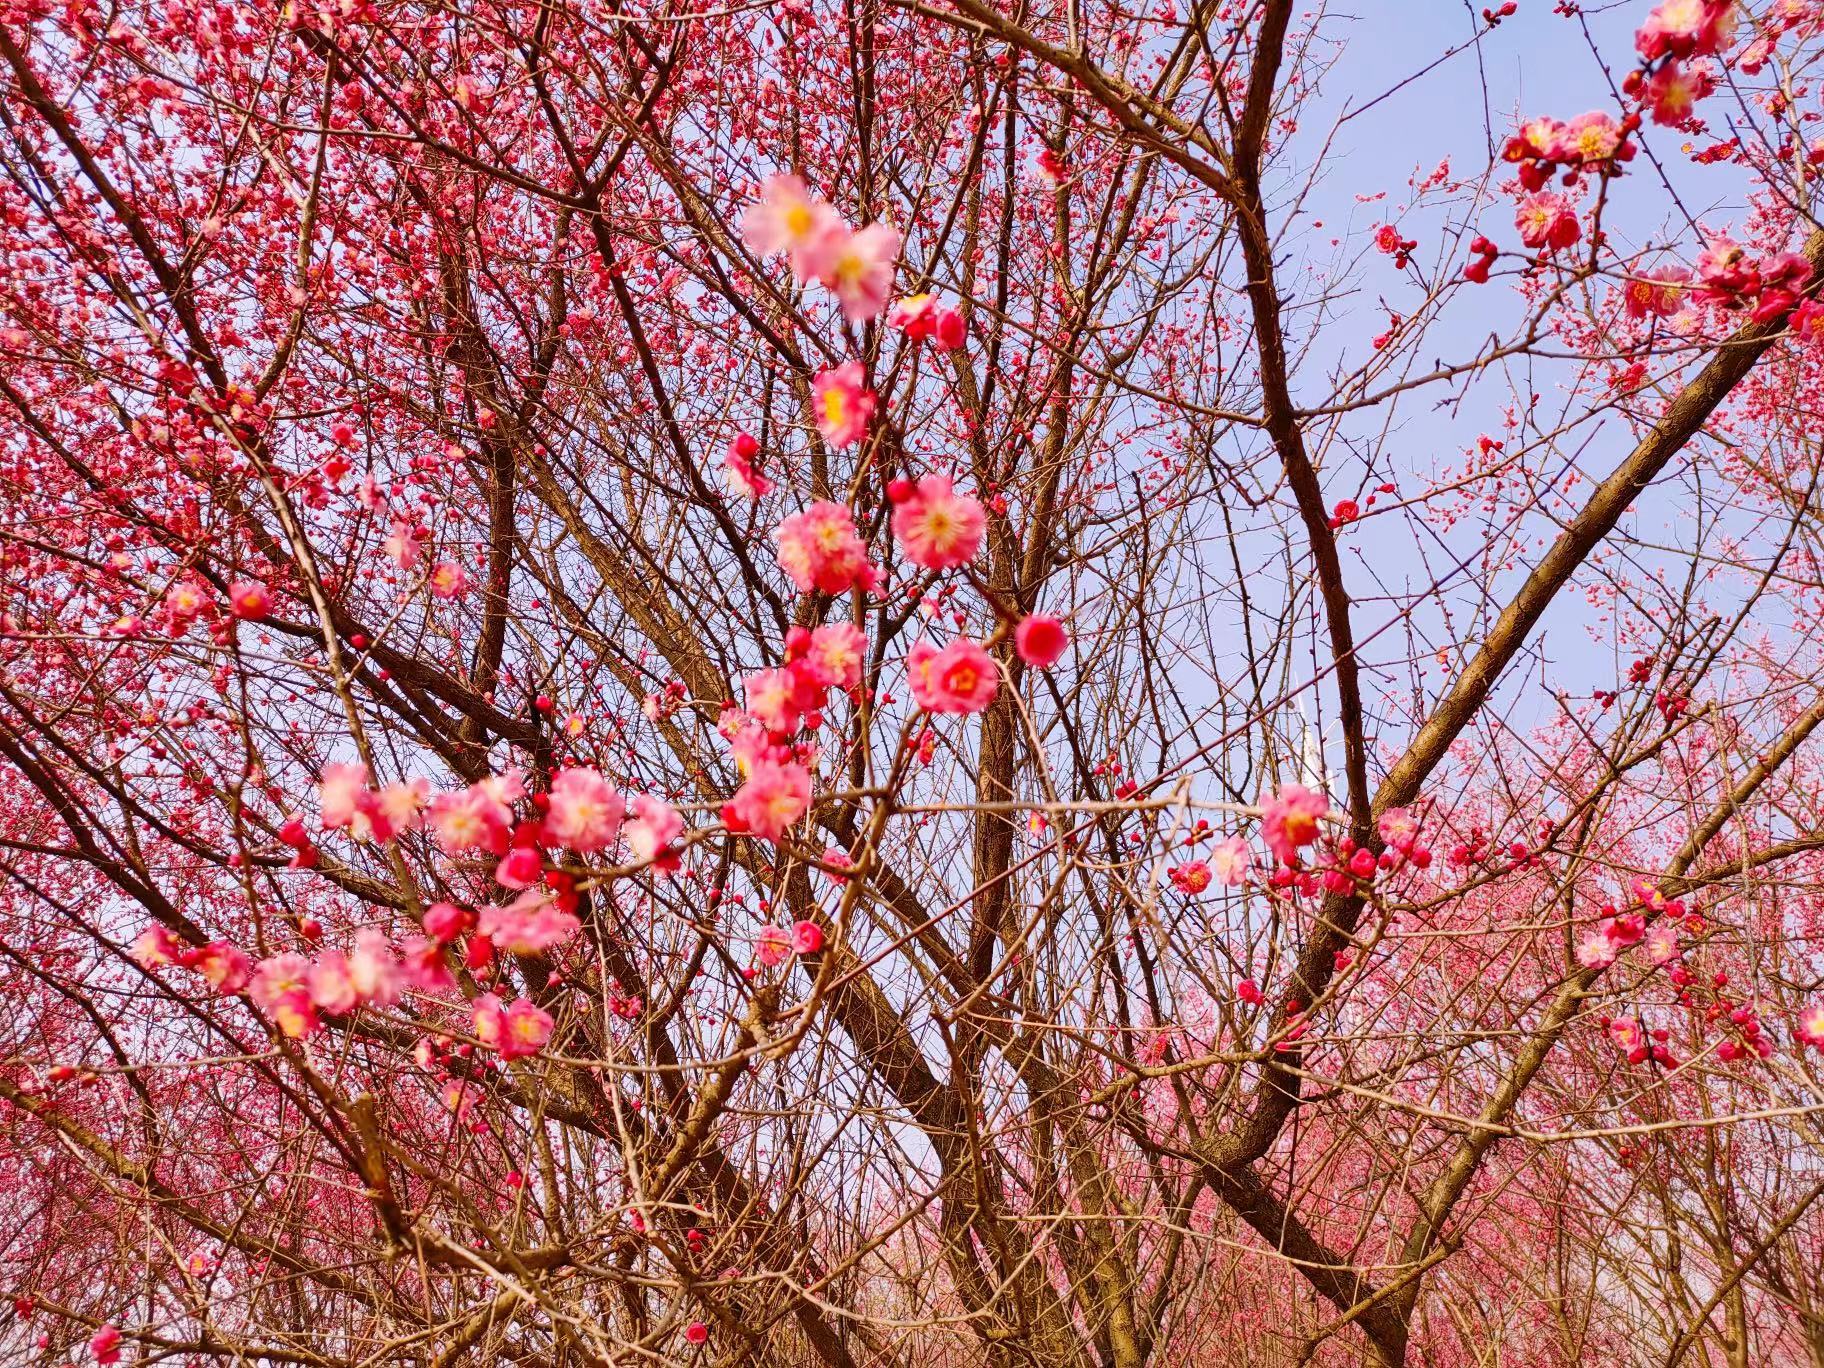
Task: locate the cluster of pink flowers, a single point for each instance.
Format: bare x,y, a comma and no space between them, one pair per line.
1768,286
581,813
349,803
781,702
296,991
920,318
1594,141
1686,28
1670,84
1621,928
293,990
820,550
532,923
1399,829
1658,292
1638,1044
515,1031
225,966
775,944
856,265
1548,220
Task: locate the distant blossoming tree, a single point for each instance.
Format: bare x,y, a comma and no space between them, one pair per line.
823,684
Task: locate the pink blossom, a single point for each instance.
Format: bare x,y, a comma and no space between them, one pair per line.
396,807
960,678
1809,1027
1249,992
401,545
654,826
155,946
532,922
1807,320
738,468
521,868
1722,269
475,818
773,946
1782,276
295,1015
585,814
1290,821
1547,220
1661,943
807,937
372,968
1192,877
1594,137
449,580
787,219
279,975
915,316
1625,930
1230,861
422,966
1672,92
936,527
1658,292
185,602
1686,28
856,266
1594,949
1040,640
842,404
836,655
226,967
1399,829
818,548
839,858
750,743
773,797
341,793
332,988
524,1029
249,600
490,1020
770,699
446,921
1543,138
104,1344
696,1333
